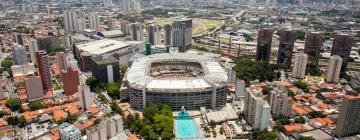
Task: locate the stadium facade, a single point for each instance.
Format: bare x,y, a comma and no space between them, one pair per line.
180,79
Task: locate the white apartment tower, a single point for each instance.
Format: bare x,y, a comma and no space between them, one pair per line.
33,47
256,110
299,66
85,97
182,34
137,31
81,24
280,102
70,20
153,32
94,21
334,68
19,54
69,132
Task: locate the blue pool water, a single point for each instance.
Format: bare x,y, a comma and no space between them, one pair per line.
185,127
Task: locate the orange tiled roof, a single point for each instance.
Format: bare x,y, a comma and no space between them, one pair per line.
282,83
93,110
20,78
133,137
300,110
295,89
30,115
25,107
294,128
54,134
6,110
323,121
86,124
73,110
59,115
3,122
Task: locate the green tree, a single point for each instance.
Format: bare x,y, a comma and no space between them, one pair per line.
300,34
249,70
301,84
113,90
6,63
14,104
2,114
148,133
71,119
266,90
35,105
300,119
14,121
116,108
92,82
316,114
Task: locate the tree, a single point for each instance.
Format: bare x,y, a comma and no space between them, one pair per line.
116,108
300,119
71,119
6,63
316,114
14,121
14,104
314,71
249,70
222,130
266,90
123,70
300,34
22,121
92,82
113,90
35,105
264,135
301,84
2,114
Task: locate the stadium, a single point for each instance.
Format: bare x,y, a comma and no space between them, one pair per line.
181,79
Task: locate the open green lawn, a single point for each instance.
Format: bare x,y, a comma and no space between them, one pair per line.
163,21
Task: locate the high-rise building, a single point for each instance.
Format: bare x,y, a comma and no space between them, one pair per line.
69,132
107,3
44,69
70,80
182,34
33,47
240,87
299,67
125,27
81,24
70,20
94,21
256,110
125,5
342,46
334,68
34,89
263,50
286,47
111,23
280,102
106,69
107,129
48,43
167,35
137,31
19,54
348,121
153,32
313,45
85,97
19,38
61,61
355,80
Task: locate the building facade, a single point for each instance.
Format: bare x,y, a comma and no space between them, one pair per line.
33,47
44,69
137,31
342,47
299,67
70,80
69,132
286,47
34,88
348,121
94,21
263,50
182,34
167,34
61,61
280,102
256,110
85,97
334,68
70,20
19,54
153,32
313,45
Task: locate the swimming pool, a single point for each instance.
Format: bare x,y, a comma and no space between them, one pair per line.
185,127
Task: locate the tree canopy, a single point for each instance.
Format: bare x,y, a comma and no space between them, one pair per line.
249,70
14,104
35,105
113,90
92,82
6,63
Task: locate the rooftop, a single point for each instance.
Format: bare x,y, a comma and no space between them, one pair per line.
102,46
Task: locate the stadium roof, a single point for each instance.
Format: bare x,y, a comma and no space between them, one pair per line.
215,75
